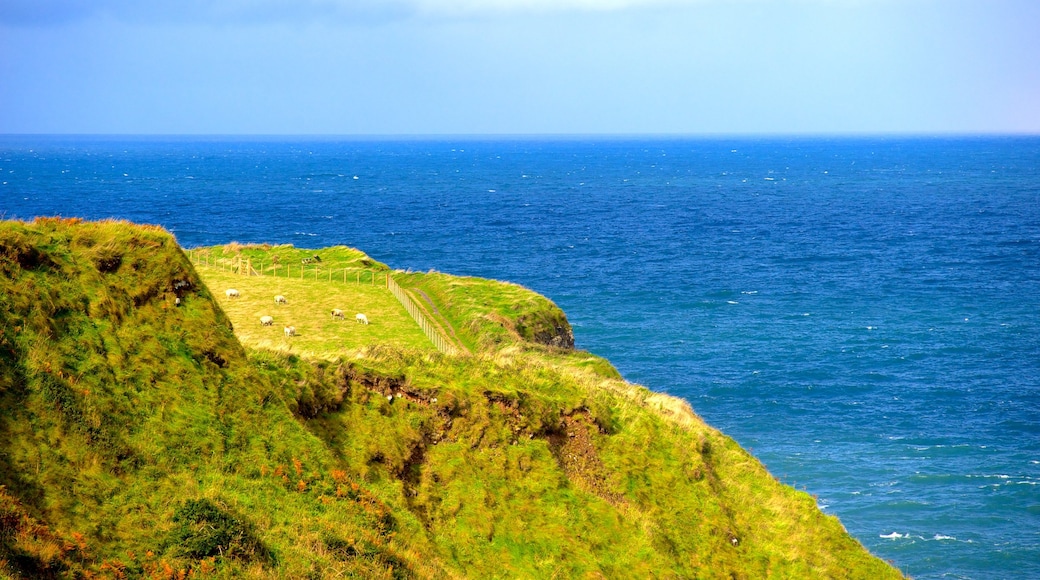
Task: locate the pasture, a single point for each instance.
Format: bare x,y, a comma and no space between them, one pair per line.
308,308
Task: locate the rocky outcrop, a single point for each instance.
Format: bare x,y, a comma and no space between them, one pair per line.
548,328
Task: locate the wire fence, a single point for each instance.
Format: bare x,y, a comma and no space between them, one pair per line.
315,271
428,328
303,271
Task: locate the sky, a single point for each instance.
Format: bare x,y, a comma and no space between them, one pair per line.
519,67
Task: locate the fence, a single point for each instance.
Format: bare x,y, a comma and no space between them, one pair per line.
244,266
428,329
311,271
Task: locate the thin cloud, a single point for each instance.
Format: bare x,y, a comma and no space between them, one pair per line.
53,12
448,7
50,12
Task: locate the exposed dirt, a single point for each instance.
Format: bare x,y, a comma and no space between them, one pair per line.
572,440
575,450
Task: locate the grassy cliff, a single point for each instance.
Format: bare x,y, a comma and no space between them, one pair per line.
140,437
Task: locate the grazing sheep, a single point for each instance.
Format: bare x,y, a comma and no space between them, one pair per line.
231,293
266,321
290,331
361,318
337,313
280,299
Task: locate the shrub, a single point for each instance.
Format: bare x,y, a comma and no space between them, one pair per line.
204,529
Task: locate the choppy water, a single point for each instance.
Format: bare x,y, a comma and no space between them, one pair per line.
864,314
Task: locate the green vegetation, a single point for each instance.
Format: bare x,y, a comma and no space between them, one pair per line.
308,307
288,261
203,529
139,438
487,314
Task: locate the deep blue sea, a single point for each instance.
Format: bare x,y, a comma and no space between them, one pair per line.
861,313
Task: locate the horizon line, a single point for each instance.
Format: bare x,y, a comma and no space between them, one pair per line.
537,136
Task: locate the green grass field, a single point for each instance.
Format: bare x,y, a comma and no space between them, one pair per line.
308,308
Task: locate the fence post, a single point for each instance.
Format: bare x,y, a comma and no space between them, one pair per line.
428,329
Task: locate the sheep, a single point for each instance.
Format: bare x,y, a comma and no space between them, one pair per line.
337,313
361,318
266,321
231,293
290,331
280,299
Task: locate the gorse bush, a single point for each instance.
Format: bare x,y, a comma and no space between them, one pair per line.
203,529
139,438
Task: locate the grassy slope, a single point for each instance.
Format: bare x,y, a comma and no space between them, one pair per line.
487,314
308,308
121,409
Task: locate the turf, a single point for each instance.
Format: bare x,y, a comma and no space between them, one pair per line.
308,308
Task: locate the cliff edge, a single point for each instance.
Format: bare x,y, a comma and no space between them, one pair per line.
140,437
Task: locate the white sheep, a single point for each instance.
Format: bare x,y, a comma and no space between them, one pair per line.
280,299
266,321
290,331
361,318
231,293
337,313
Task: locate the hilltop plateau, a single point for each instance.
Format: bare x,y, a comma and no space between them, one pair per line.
150,426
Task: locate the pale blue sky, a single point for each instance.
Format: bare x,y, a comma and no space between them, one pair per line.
691,67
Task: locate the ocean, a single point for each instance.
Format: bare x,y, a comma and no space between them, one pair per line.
863,314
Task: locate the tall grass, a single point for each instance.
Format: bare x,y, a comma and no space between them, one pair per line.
139,438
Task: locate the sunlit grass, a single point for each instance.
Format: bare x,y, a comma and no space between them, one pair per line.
308,308
133,425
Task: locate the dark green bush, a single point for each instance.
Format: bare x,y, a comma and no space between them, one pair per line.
203,529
